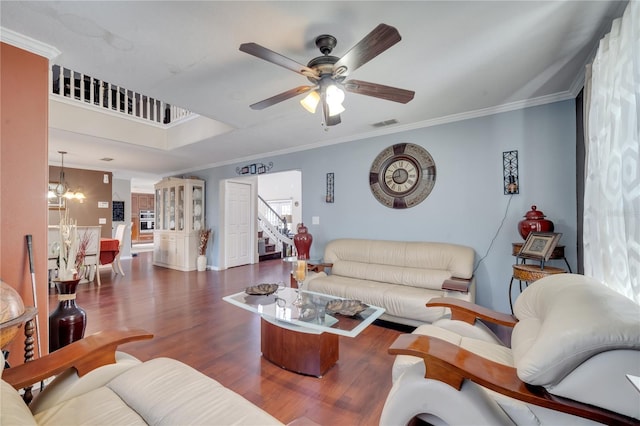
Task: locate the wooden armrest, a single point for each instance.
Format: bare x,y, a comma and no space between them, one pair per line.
318,267
462,310
456,284
452,364
84,355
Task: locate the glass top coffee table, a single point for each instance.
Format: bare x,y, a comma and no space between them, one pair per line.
300,335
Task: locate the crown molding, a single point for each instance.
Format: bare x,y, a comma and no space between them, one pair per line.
27,43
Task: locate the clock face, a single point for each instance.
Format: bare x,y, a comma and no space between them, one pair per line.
402,176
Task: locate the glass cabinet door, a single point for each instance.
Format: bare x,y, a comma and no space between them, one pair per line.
159,210
172,208
197,207
180,208
165,209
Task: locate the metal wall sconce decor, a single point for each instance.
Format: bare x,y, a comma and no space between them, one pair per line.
511,182
254,168
330,182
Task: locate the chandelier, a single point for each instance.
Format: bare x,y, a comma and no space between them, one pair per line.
62,188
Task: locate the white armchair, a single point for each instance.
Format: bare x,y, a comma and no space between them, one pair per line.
95,385
574,340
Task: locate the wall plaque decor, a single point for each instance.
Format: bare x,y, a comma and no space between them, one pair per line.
510,172
330,182
254,168
402,175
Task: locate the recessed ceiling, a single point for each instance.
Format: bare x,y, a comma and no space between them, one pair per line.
460,58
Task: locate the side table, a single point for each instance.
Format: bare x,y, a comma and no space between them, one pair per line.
530,273
558,253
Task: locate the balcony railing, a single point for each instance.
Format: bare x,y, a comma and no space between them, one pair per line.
81,87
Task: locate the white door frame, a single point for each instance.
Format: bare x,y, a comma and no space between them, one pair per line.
253,232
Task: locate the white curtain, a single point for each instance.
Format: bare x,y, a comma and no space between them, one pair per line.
612,169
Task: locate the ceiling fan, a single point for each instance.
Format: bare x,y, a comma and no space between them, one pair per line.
328,73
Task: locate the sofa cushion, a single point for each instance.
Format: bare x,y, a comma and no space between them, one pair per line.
13,410
565,319
194,397
486,349
101,406
417,264
398,300
158,392
68,384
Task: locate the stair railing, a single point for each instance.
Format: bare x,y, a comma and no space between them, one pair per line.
280,240
275,226
276,221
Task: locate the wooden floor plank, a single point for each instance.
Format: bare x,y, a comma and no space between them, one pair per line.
191,323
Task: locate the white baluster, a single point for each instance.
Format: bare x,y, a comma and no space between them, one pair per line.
92,83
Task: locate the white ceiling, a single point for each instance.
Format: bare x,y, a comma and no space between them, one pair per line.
461,59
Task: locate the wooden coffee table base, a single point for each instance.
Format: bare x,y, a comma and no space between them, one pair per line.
301,352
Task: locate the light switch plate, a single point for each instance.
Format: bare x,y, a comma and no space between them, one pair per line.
105,178
315,220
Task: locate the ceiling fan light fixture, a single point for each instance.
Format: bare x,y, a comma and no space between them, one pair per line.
335,97
335,109
310,102
328,73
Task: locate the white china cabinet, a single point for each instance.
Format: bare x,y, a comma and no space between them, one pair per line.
179,219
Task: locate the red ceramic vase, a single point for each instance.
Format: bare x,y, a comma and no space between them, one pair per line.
534,221
302,240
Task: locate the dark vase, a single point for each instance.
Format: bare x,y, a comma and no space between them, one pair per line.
534,221
302,240
68,322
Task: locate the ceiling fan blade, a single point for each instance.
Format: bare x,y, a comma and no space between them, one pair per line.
276,58
281,97
379,91
377,41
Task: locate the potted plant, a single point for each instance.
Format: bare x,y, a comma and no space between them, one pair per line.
201,262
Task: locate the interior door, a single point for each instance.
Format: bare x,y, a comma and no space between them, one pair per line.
239,247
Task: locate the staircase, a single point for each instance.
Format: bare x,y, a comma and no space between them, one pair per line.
266,248
273,241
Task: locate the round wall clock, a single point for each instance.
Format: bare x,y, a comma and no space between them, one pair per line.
402,175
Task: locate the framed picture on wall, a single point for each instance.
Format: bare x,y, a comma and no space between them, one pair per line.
539,245
55,202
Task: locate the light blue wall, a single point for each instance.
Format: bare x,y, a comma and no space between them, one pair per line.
467,204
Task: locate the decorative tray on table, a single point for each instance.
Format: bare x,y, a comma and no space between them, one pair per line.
261,289
348,308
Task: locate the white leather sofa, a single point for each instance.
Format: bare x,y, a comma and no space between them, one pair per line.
574,340
161,391
400,277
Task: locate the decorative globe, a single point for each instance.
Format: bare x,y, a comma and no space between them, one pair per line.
11,307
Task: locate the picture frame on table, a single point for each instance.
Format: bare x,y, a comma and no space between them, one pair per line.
58,203
539,245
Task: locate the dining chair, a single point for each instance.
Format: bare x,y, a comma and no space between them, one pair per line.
117,266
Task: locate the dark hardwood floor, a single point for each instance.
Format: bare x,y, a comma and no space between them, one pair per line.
191,323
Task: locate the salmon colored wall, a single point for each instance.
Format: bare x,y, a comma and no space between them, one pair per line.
24,106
